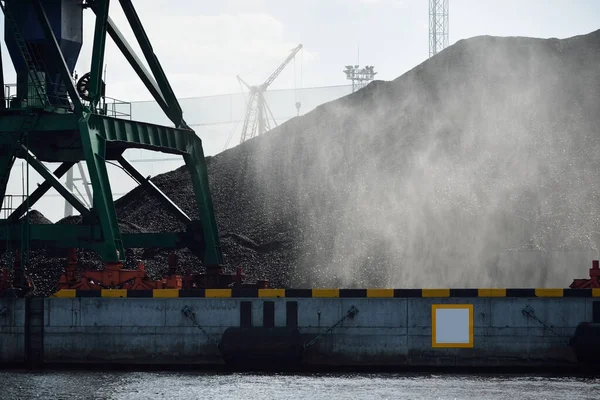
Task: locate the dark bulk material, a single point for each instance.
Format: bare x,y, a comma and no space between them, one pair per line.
477,168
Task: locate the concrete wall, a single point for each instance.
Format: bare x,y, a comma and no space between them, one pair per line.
12,330
386,331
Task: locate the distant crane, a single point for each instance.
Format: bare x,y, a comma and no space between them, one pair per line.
256,121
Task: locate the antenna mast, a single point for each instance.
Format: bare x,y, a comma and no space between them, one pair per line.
438,26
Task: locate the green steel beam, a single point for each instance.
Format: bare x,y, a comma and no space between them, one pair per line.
142,135
86,237
3,103
41,236
39,192
130,134
47,122
147,183
174,110
56,184
164,240
86,185
213,254
56,53
137,65
7,159
8,142
98,51
94,149
106,137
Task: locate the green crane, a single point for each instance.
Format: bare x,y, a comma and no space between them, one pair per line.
50,120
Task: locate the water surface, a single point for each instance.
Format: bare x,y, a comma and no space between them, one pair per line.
67,385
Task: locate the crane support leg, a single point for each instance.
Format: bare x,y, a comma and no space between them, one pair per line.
98,52
124,134
94,147
199,175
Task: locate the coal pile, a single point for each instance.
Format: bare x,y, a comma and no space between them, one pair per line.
44,270
478,168
36,218
46,265
264,259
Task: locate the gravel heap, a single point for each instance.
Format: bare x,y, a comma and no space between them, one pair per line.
476,168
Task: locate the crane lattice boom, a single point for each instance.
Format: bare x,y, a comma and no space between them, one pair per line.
257,121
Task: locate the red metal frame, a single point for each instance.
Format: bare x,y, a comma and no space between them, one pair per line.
113,276
592,282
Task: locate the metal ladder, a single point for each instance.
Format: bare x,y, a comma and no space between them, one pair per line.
32,64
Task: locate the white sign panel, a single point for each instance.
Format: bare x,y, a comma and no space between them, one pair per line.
452,325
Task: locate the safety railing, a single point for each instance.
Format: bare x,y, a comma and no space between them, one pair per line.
115,108
8,203
109,106
11,101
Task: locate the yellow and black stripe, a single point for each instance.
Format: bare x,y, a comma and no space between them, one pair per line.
328,293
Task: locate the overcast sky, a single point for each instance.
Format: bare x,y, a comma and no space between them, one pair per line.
204,44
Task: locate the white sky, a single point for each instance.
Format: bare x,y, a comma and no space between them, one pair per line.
203,45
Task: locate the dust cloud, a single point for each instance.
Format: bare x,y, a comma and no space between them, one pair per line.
478,168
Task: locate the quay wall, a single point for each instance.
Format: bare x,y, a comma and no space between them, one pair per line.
348,331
